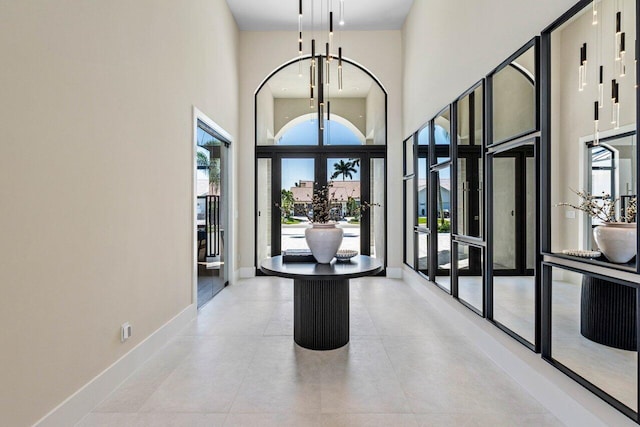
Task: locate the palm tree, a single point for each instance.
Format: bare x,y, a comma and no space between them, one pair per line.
343,168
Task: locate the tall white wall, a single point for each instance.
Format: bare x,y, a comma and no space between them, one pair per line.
96,183
448,47
260,54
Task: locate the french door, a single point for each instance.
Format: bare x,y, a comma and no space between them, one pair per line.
286,181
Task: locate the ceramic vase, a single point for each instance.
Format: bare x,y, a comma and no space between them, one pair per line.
323,239
616,240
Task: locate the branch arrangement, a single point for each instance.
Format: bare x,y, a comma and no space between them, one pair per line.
602,207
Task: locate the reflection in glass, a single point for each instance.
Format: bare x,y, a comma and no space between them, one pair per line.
443,219
423,189
408,157
470,275
344,176
211,192
442,136
576,164
470,170
264,209
594,332
514,246
296,195
376,213
423,253
409,222
514,98
283,116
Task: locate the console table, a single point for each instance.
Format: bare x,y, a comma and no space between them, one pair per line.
321,297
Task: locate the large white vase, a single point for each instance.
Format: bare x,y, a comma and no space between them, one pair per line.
616,240
323,239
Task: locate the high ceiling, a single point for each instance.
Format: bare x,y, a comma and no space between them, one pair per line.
272,15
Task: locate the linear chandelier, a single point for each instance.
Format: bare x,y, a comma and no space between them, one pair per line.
617,68
319,73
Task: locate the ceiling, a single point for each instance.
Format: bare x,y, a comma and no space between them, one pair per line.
274,15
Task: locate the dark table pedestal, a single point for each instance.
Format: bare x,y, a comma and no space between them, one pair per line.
608,313
321,313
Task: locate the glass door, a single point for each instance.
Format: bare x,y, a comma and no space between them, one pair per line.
345,180
297,180
212,207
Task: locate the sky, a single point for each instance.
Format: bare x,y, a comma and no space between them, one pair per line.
294,170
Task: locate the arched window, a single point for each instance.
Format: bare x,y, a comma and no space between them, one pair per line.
301,145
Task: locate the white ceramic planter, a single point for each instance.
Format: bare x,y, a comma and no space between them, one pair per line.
616,240
324,241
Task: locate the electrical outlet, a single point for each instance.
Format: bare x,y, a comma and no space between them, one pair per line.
125,332
570,214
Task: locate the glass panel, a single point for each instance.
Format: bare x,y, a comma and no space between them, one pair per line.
211,191
442,136
284,116
514,240
409,236
423,253
514,98
377,219
264,209
443,218
470,275
594,332
469,185
341,132
344,176
296,195
408,156
579,162
423,190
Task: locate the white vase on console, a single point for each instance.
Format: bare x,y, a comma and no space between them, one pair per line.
324,240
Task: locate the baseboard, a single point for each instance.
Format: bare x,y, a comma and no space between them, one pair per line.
247,272
80,403
571,403
394,273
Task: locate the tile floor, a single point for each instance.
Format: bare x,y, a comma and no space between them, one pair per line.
237,365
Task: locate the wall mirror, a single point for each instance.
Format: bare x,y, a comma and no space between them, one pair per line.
593,87
442,242
442,135
594,332
469,275
469,182
514,97
514,243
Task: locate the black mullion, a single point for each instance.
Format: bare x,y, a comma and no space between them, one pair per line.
414,215
488,256
276,184
432,242
546,311
365,197
537,258
453,198
520,210
637,63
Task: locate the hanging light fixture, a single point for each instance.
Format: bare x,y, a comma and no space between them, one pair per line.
339,69
615,104
582,69
601,88
319,73
596,130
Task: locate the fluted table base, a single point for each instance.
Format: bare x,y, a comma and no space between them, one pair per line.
321,313
608,313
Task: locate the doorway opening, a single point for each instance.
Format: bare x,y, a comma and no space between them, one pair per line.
212,203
